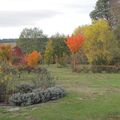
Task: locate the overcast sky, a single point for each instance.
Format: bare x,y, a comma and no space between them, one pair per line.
51,16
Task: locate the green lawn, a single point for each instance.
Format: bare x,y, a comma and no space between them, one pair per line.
90,97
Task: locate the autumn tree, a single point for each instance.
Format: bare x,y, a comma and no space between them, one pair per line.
100,43
32,59
17,57
5,52
74,43
49,52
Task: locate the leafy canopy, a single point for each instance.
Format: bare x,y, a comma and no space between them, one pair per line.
74,42
32,39
49,52
32,59
5,52
100,44
101,10
32,33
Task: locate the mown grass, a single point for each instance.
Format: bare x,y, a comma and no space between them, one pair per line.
90,97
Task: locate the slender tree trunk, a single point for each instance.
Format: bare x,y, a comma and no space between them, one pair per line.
74,61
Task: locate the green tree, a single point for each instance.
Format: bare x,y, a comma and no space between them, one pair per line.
101,10
32,33
32,39
57,49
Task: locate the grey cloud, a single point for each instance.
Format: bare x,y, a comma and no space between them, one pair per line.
79,6
19,18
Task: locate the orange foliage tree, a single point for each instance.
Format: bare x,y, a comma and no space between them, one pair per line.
14,56
33,59
74,43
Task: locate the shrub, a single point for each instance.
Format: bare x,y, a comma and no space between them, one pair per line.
44,78
97,68
56,92
103,68
17,58
83,68
5,52
7,75
3,86
37,96
24,88
33,59
2,92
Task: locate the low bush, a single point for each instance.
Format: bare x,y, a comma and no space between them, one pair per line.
37,96
24,88
97,68
2,92
83,68
44,78
3,86
105,68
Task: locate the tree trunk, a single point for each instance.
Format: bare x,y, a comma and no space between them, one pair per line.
74,62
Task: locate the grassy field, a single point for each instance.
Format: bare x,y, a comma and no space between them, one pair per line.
90,97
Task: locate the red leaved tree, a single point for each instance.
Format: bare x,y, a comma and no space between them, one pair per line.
17,58
74,43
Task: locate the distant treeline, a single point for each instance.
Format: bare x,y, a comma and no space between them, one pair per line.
8,40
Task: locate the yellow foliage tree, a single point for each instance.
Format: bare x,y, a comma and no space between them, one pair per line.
100,44
5,52
49,51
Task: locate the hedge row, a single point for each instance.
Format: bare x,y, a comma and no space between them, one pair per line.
97,68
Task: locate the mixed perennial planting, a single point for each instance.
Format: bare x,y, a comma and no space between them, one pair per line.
15,66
